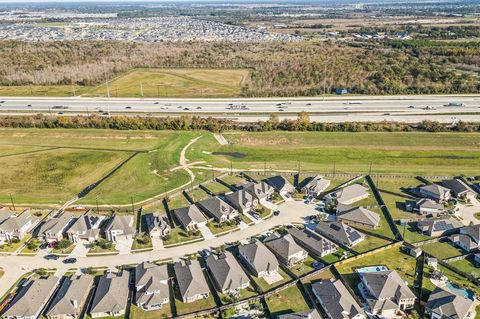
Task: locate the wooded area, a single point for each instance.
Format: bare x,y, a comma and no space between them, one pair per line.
277,69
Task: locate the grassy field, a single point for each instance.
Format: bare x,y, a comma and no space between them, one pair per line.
467,265
442,250
286,301
176,83
264,286
43,90
137,313
412,153
370,243
392,258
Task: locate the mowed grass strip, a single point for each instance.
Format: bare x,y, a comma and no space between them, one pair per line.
54,176
388,152
43,90
173,83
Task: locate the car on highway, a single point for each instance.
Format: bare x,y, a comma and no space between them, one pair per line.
352,102
411,106
199,107
186,109
106,113
163,108
179,107
155,103
29,105
60,113
69,260
51,257
308,104
2,102
128,107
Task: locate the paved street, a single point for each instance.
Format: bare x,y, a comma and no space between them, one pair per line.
15,266
405,108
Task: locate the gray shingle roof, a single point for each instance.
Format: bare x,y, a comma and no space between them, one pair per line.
111,294
358,215
284,246
259,190
387,285
472,231
316,185
438,227
189,214
226,271
55,225
349,193
457,186
84,223
215,207
239,199
317,244
280,183
157,220
448,304
33,294
5,214
190,278
261,258
339,232
72,293
15,223
153,280
308,314
336,299
122,222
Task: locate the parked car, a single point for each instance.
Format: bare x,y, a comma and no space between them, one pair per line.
276,212
51,257
70,260
44,245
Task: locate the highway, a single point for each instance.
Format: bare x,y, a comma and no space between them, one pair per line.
411,109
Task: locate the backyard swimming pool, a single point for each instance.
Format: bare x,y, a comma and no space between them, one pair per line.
371,269
460,291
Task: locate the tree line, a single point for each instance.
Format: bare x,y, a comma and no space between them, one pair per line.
277,69
190,123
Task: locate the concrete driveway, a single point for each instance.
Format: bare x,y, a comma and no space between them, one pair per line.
124,246
15,266
80,250
467,212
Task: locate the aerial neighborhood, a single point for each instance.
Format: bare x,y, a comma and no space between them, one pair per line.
343,224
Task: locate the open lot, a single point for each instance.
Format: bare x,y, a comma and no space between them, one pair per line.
286,301
176,83
411,153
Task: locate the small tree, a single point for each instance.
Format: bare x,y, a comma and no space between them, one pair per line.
32,244
64,244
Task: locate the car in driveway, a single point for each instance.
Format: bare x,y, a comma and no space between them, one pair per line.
70,260
51,257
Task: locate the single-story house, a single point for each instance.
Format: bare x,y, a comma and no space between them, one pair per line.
70,298
191,281
336,300
190,217
228,276
261,191
53,229
315,186
242,201
217,209
349,194
32,298
439,227
86,228
458,188
436,192
357,216
17,226
157,225
281,185
286,249
424,206
120,227
313,242
340,233
111,296
259,259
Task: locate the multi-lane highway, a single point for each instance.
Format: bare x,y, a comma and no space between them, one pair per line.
415,108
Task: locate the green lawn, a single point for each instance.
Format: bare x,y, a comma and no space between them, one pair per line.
333,258
217,188
264,286
459,280
303,268
467,266
43,90
286,301
179,235
198,194
243,294
442,250
217,228
193,83
393,258
370,243
97,249
411,233
137,313
12,247
233,179
67,250
425,153
184,308
177,202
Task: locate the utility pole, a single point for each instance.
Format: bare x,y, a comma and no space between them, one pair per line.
158,91
141,89
298,168
106,82
231,168
73,89
96,199
264,167
324,80
133,207
11,200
